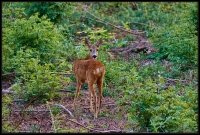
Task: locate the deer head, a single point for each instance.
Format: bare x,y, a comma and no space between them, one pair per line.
93,48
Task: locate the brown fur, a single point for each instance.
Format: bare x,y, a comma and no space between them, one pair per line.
92,72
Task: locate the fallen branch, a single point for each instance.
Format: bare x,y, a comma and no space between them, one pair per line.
66,91
171,79
8,91
125,103
25,132
87,107
91,129
109,131
64,109
8,74
52,119
31,110
61,73
138,23
18,100
118,27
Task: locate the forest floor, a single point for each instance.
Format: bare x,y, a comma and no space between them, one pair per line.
39,118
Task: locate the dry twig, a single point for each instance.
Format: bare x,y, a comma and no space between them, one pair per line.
95,130
111,104
52,118
63,90
171,79
64,109
8,91
8,74
31,110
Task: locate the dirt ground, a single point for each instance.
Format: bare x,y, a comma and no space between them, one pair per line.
37,118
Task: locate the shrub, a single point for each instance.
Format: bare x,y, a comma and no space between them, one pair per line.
176,38
37,34
38,81
6,103
32,47
170,110
55,11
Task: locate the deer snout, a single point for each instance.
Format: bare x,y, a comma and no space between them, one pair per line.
94,56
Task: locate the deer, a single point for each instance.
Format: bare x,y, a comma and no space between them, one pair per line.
90,71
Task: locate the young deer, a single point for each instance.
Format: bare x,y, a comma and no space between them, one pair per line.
90,71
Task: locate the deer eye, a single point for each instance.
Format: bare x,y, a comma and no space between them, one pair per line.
97,49
90,50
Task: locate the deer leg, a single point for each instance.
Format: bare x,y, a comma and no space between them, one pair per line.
78,87
91,103
100,94
93,98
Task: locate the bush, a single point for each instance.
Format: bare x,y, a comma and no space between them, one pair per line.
33,48
38,81
37,34
6,103
176,38
55,11
170,110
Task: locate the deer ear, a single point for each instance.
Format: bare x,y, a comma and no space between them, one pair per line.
99,43
87,42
